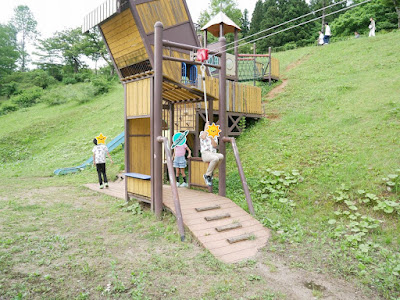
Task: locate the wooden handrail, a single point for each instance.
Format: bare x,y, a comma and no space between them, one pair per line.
174,188
241,172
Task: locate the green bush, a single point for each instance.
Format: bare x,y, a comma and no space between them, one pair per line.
55,96
101,84
69,80
9,89
7,108
28,97
42,79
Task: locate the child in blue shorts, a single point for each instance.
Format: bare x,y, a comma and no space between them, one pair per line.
180,163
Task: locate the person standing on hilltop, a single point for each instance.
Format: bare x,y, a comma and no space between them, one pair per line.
327,35
371,27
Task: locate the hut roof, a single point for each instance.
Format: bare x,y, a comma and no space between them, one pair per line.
213,25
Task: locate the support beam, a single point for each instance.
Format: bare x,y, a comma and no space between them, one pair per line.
223,121
156,180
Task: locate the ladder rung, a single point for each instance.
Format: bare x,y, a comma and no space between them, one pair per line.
199,209
228,227
243,237
217,217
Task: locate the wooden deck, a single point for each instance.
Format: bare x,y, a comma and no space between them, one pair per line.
213,235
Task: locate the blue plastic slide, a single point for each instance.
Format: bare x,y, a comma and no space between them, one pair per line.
111,146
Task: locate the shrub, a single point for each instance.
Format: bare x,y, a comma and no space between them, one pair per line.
42,79
69,80
28,97
7,108
101,85
55,96
10,89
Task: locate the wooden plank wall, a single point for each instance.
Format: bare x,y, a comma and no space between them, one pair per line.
139,155
124,40
169,12
197,170
241,97
275,68
138,98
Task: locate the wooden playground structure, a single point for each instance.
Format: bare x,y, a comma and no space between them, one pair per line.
151,43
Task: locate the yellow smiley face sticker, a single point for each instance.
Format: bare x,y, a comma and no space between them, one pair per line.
101,139
213,130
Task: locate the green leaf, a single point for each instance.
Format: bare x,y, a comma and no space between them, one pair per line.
353,207
332,221
388,210
283,200
361,192
393,176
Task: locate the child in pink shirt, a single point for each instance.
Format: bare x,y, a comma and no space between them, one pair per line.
180,163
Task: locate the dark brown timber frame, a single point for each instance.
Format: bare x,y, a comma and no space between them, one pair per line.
156,120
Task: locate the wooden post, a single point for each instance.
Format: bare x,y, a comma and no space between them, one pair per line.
223,122
157,118
171,122
236,55
205,38
126,145
270,66
254,68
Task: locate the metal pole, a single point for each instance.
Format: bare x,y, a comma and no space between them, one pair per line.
157,117
270,66
223,122
241,173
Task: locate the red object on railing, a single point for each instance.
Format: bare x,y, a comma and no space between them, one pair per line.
202,54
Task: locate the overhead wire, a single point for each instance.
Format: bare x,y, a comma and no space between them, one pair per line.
294,26
286,22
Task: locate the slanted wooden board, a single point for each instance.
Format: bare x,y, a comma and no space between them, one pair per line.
205,232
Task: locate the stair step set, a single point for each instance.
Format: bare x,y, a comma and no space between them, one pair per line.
235,225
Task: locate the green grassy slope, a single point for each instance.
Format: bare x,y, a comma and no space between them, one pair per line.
338,123
37,140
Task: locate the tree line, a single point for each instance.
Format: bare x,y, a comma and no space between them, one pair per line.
63,53
269,13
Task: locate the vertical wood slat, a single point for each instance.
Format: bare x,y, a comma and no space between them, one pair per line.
138,98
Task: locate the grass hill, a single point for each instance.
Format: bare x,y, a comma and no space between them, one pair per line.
315,171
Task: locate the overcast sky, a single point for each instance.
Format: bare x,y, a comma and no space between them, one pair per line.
53,15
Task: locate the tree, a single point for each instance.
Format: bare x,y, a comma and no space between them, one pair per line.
25,26
65,47
320,4
229,7
357,19
257,17
94,47
245,22
396,5
8,50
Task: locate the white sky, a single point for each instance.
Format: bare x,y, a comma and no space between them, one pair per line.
55,16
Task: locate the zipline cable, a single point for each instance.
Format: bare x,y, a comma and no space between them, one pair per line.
294,26
284,23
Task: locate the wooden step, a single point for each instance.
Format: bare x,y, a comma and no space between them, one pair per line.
228,227
205,208
240,238
217,217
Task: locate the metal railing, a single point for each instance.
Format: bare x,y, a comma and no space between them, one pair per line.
174,188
